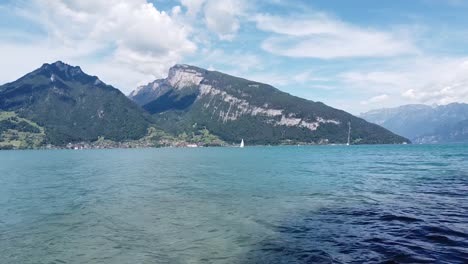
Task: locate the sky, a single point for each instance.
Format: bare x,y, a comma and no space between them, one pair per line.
354,55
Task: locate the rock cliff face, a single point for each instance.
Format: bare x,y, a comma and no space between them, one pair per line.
236,108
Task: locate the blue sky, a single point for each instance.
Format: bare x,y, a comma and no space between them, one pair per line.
354,55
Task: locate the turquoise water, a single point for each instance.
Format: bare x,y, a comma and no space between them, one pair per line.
319,204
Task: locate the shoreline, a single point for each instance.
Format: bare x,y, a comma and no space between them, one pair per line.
188,146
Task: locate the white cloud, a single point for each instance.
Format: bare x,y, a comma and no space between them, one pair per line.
238,60
428,80
19,59
451,93
308,76
374,79
130,42
269,78
376,99
132,35
288,80
193,6
324,37
220,16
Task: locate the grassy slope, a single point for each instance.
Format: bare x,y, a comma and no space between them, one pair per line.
19,133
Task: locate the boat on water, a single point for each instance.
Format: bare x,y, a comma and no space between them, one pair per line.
349,133
241,144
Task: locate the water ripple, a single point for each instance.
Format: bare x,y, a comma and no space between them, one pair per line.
323,204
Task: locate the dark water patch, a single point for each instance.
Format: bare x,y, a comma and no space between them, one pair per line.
455,193
440,239
401,218
278,254
454,155
394,163
361,235
441,235
435,164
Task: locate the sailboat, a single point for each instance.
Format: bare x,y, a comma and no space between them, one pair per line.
349,133
241,144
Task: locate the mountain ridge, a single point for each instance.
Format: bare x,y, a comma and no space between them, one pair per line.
60,105
423,123
73,106
223,103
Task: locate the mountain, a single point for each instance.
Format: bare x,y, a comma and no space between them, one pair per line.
453,133
72,106
234,108
423,123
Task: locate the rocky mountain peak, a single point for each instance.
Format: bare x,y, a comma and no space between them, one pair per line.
150,87
182,75
65,72
61,67
179,76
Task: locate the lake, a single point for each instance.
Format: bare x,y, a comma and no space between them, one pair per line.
309,204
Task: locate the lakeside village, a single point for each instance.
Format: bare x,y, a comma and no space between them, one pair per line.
113,145
125,145
108,144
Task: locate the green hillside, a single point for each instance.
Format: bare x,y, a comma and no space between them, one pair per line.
234,108
19,133
73,106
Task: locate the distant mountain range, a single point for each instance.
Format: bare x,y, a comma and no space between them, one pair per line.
59,104
234,108
423,123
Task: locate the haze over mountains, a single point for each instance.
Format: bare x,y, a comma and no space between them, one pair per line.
423,123
62,104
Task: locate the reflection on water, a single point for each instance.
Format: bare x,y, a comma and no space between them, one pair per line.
328,204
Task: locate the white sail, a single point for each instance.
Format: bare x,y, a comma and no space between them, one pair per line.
242,143
349,133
